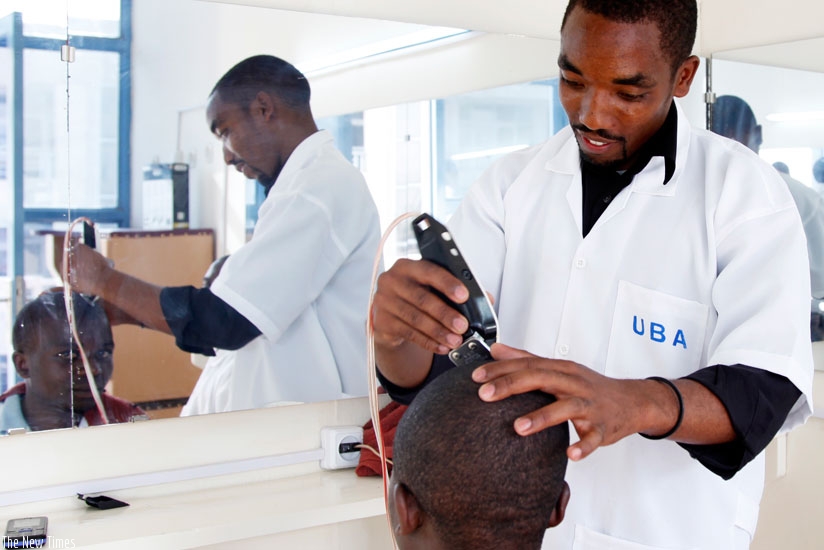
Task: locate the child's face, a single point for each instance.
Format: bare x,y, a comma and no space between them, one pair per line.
54,367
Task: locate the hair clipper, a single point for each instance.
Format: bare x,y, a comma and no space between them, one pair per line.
89,237
437,246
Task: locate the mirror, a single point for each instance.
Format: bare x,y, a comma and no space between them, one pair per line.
783,84
369,77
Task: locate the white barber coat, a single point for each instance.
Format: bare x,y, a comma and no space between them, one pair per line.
303,280
710,268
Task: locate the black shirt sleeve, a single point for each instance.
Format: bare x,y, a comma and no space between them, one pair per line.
200,321
757,402
404,396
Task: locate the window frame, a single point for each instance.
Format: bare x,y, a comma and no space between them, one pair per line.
122,45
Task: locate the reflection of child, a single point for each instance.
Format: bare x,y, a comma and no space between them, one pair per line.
55,392
462,478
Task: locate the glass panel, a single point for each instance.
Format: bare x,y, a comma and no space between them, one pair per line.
476,128
415,161
93,89
779,113
47,18
789,107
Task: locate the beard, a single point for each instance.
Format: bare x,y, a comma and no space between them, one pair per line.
266,181
612,164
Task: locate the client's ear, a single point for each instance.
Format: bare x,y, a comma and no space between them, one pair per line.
560,507
21,364
408,513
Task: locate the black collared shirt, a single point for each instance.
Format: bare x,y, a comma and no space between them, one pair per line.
601,185
756,400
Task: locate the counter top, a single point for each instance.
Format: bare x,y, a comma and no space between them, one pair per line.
177,517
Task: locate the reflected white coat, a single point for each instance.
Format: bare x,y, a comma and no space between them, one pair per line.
303,280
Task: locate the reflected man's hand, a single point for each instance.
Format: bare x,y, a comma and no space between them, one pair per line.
88,270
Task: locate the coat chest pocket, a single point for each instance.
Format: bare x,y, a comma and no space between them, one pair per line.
654,333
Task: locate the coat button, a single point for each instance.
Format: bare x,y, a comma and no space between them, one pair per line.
563,349
580,263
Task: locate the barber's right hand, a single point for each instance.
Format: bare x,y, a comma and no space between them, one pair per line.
405,308
88,270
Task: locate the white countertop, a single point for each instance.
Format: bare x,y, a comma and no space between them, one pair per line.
168,517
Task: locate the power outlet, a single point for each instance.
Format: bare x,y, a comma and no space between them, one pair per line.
331,439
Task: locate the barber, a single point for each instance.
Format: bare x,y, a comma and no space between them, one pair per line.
653,277
292,301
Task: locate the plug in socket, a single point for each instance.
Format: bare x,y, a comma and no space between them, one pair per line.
331,439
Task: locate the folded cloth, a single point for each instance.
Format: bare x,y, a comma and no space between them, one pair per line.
370,463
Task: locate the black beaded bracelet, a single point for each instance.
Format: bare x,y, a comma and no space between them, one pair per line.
680,409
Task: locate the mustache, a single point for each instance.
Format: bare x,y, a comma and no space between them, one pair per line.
600,133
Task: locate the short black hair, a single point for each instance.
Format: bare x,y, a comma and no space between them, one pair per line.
50,306
480,482
677,20
732,117
265,73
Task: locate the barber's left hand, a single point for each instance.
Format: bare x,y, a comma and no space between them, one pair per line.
603,410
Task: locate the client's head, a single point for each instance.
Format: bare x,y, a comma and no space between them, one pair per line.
47,358
462,477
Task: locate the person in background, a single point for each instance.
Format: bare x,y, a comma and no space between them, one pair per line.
652,277
463,479
732,117
55,392
291,303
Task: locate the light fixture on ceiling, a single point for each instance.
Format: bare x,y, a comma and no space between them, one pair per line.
403,43
488,152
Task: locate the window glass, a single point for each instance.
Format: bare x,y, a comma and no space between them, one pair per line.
90,164
477,128
423,156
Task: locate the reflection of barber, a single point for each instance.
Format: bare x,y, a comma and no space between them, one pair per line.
629,246
55,392
732,117
292,301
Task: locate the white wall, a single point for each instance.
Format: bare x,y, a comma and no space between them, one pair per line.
792,505
173,75
182,47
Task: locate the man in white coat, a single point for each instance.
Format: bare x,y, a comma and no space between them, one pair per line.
290,305
653,277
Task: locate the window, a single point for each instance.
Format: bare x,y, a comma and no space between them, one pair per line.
64,134
423,156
